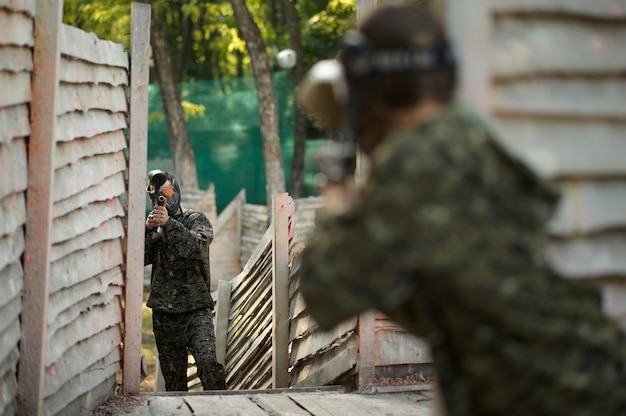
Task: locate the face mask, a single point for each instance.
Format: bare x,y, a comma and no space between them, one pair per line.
166,195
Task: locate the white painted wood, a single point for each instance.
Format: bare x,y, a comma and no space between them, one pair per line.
73,71
80,221
73,269
11,276
221,319
17,27
109,188
85,97
14,122
533,45
564,97
13,214
605,9
13,160
589,207
15,88
567,148
74,125
79,44
15,58
72,151
88,172
590,256
28,6
11,247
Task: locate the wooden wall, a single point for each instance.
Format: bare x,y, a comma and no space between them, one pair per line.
556,82
82,351
16,65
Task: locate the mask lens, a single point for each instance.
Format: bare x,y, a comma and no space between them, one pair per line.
169,193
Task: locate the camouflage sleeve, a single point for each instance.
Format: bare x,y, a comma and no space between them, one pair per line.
191,241
149,245
369,257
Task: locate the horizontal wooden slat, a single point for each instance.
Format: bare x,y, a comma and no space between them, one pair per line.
73,269
568,148
10,335
592,256
85,97
74,125
12,278
80,221
15,28
109,188
572,97
326,367
96,319
111,229
589,207
8,384
528,45
12,212
82,384
16,59
73,71
319,340
14,122
28,6
14,164
72,301
85,173
79,44
609,9
11,247
14,88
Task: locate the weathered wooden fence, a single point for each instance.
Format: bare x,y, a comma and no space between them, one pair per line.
63,141
553,74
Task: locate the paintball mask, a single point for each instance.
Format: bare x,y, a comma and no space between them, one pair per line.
161,194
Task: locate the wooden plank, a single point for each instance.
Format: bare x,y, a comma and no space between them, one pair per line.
13,160
8,384
79,222
28,6
469,28
320,340
16,59
11,247
223,406
562,97
605,9
71,152
221,319
163,405
258,252
77,43
14,122
398,347
15,88
16,28
614,300
535,45
11,277
367,350
85,97
138,151
10,327
73,269
592,256
320,404
589,207
327,371
75,125
73,71
37,268
283,209
13,214
107,189
88,172
278,405
567,148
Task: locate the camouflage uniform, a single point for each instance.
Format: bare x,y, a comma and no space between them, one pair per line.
448,241
181,300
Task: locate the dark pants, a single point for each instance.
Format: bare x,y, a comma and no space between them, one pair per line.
177,334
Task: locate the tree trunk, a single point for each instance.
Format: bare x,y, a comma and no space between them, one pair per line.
272,155
182,153
299,131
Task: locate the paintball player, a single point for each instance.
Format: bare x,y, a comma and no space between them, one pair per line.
446,236
177,246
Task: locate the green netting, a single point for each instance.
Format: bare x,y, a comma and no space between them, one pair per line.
227,140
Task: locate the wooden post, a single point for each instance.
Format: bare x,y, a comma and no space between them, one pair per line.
137,164
469,26
282,208
41,150
221,320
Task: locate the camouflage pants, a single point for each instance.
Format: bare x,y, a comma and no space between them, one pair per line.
177,334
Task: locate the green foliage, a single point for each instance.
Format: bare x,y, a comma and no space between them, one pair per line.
108,19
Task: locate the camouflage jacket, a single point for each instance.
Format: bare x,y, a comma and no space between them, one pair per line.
181,277
447,239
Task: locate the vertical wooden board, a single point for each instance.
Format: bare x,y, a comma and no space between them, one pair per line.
367,349
46,57
221,320
137,162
